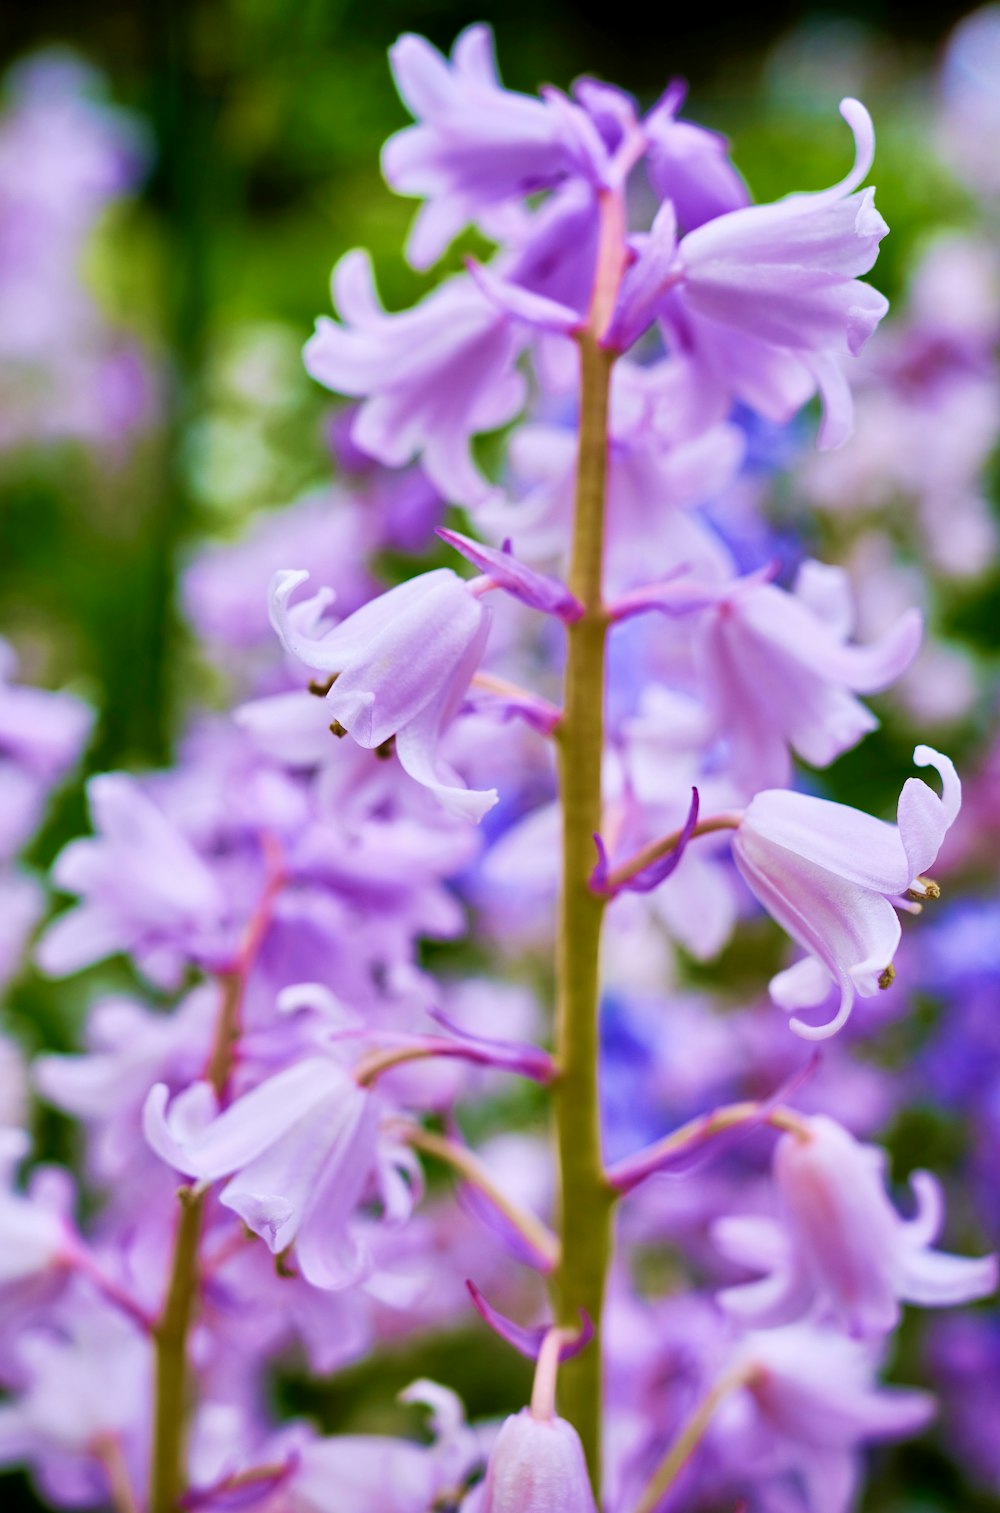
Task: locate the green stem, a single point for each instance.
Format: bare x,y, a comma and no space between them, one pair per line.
585,1196
168,1479
687,1442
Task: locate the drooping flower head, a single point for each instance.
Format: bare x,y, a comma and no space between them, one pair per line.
841,1250
400,667
830,875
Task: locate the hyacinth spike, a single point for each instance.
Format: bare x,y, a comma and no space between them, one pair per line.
536,590
529,1341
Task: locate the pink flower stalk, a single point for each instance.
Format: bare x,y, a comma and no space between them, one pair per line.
841,1251
401,667
780,674
476,145
431,378
834,877
300,1150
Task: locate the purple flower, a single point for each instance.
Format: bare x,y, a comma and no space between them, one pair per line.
842,1250
779,672
815,1404
659,465
22,905
35,1234
401,666
41,736
476,145
142,887
64,157
129,1048
537,1466
768,298
831,876
225,588
83,1383
690,166
430,377
300,1150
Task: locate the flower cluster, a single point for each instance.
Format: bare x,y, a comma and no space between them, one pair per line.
583,711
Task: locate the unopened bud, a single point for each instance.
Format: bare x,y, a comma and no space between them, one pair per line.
537,1466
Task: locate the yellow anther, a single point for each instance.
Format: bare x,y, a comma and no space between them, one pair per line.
887,978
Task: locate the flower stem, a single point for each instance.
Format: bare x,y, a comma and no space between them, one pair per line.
687,1442
168,1478
663,846
537,1235
585,1197
632,1170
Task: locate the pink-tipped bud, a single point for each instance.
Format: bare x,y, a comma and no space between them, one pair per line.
537,1466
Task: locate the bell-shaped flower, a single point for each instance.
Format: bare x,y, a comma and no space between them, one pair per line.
142,888
815,1404
841,1250
300,1151
431,377
769,299
401,666
690,166
476,145
537,1466
831,876
780,674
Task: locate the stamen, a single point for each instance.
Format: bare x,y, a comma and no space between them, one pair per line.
923,888
887,978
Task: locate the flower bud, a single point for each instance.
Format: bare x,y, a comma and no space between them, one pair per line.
537,1466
